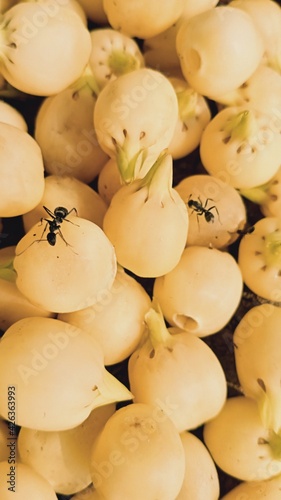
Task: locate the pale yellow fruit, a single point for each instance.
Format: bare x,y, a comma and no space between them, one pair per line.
63,457
268,489
196,295
143,18
116,321
33,59
19,481
240,444
22,171
200,41
57,374
9,114
69,192
138,454
219,199
69,275
13,304
201,481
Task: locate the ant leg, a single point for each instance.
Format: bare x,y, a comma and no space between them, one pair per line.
76,213
63,238
35,241
45,228
215,208
73,210
207,201
49,212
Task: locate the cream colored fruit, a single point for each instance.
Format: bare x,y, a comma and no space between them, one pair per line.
202,292
69,192
94,11
201,481
64,130
22,171
259,259
268,489
164,372
138,454
58,374
10,114
113,54
143,18
194,114
134,118
199,43
116,321
238,142
109,180
13,304
222,201
33,59
240,444
147,222
63,458
257,360
25,483
69,275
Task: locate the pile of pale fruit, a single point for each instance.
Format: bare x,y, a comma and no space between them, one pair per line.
122,273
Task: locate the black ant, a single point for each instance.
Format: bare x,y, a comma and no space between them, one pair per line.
201,209
244,231
247,230
54,225
59,215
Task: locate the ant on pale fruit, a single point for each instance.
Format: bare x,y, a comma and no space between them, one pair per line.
201,209
59,215
247,230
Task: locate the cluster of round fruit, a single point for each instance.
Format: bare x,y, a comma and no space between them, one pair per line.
155,128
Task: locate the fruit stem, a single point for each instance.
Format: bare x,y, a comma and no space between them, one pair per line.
86,80
110,390
242,126
159,177
121,62
187,102
7,271
158,332
272,252
275,445
128,161
257,194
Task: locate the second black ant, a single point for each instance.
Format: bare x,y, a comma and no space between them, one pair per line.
200,209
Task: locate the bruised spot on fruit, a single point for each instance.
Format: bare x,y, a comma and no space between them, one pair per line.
226,139
261,383
152,353
170,349
261,440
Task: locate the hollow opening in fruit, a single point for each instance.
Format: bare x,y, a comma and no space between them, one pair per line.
185,322
194,60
